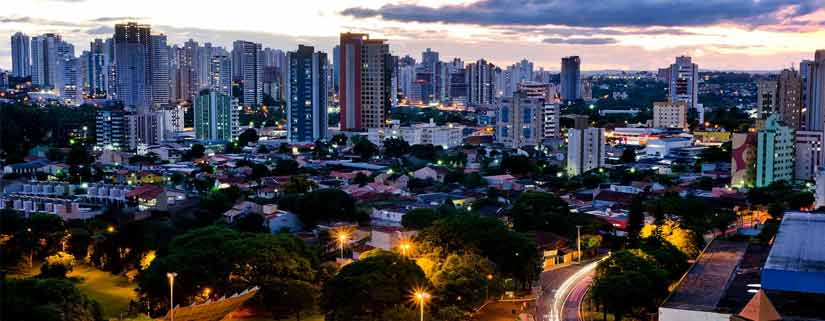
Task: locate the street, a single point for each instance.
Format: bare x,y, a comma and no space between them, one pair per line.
562,291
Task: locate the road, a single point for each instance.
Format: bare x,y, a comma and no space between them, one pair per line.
562,291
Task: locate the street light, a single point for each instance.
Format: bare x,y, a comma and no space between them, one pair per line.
405,246
342,238
487,292
171,276
421,297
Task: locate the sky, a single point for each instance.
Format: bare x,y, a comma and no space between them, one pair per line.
765,35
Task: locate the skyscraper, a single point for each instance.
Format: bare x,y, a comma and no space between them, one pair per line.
585,150
808,156
160,70
570,78
306,92
765,99
815,88
684,82
481,83
789,99
774,153
46,69
216,116
365,82
220,73
96,70
132,58
247,69
20,55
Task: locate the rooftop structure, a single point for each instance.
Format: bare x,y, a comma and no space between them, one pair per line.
797,260
704,285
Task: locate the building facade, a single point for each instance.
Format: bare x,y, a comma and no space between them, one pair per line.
306,92
216,116
480,82
520,120
775,147
20,55
570,78
247,69
808,155
670,115
133,63
684,82
585,150
365,82
789,99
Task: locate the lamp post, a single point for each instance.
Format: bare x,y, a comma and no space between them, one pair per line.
405,246
171,276
579,241
487,292
342,238
422,297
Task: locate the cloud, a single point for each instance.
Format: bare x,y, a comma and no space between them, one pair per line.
581,41
607,13
16,19
100,30
113,19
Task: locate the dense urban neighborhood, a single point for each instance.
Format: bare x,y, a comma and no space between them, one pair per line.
149,180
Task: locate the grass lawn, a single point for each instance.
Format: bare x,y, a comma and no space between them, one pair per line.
113,292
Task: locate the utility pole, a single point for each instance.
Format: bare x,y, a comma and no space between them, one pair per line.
579,241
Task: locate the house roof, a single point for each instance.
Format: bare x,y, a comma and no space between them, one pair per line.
146,192
760,308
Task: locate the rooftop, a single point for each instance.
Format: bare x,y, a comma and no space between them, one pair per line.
796,262
704,285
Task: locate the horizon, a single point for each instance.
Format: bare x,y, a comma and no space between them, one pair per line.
726,35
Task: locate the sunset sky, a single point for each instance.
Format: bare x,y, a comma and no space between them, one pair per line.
607,34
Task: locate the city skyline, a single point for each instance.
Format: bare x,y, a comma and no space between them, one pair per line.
723,35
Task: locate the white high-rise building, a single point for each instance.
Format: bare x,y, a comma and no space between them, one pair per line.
552,121
520,120
160,70
220,74
808,154
670,115
173,121
46,67
20,55
585,150
684,82
247,68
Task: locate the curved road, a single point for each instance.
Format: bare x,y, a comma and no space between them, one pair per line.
563,291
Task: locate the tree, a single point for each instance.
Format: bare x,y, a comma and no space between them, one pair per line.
364,148
289,297
299,184
284,167
339,140
517,164
635,222
628,156
322,205
365,289
537,211
250,135
396,147
673,232
419,218
474,180
34,299
57,266
253,223
462,281
626,282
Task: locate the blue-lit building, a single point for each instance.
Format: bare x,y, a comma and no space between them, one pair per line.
306,93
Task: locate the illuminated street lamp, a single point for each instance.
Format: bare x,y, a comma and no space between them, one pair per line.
342,238
171,276
489,279
405,246
421,297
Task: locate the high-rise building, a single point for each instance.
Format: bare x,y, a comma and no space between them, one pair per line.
766,95
220,73
160,70
247,69
147,128
96,70
520,120
684,82
365,82
113,129
808,157
670,115
133,61
789,99
551,121
481,83
20,55
306,92
273,84
570,78
774,153
70,81
216,116
46,67
336,68
585,150
173,121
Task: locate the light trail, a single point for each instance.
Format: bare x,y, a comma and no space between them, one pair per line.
563,291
